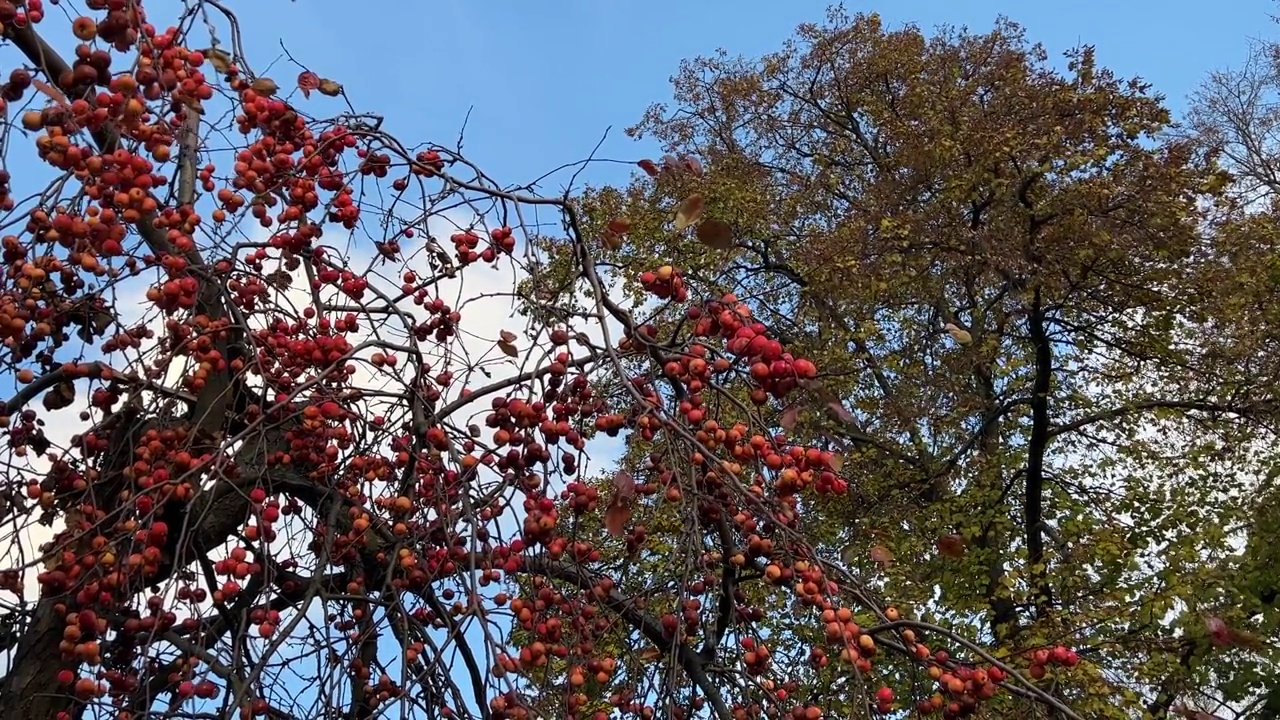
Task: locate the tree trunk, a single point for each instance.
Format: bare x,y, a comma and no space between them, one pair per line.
30,690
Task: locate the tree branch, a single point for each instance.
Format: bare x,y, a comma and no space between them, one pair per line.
1244,410
1038,443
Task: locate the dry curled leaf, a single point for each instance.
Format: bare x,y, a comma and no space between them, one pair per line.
93,324
616,516
649,167
221,60
54,93
280,279
960,335
332,88
1223,635
836,463
611,239
264,86
508,349
715,234
1192,713
614,233
60,396
951,545
1219,633
842,413
507,336
1246,639
689,211
810,384
882,555
625,484
308,81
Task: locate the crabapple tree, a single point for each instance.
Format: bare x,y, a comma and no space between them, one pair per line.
258,465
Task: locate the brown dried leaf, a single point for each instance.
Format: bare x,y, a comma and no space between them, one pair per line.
508,349
331,88
1223,635
507,336
842,413
1219,633
308,81
811,384
689,211
264,86
715,234
649,167
616,517
60,396
93,324
958,334
836,463
625,484
611,239
882,555
280,280
1193,714
50,90
789,416
951,545
621,226
1246,639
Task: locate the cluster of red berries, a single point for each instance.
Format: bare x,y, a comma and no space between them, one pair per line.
665,283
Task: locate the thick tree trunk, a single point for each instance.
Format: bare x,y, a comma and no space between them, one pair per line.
30,690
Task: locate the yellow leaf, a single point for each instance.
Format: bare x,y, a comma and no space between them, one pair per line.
689,211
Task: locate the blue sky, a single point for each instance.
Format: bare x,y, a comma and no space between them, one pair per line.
544,79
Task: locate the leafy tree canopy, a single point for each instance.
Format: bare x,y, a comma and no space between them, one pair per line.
1045,320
